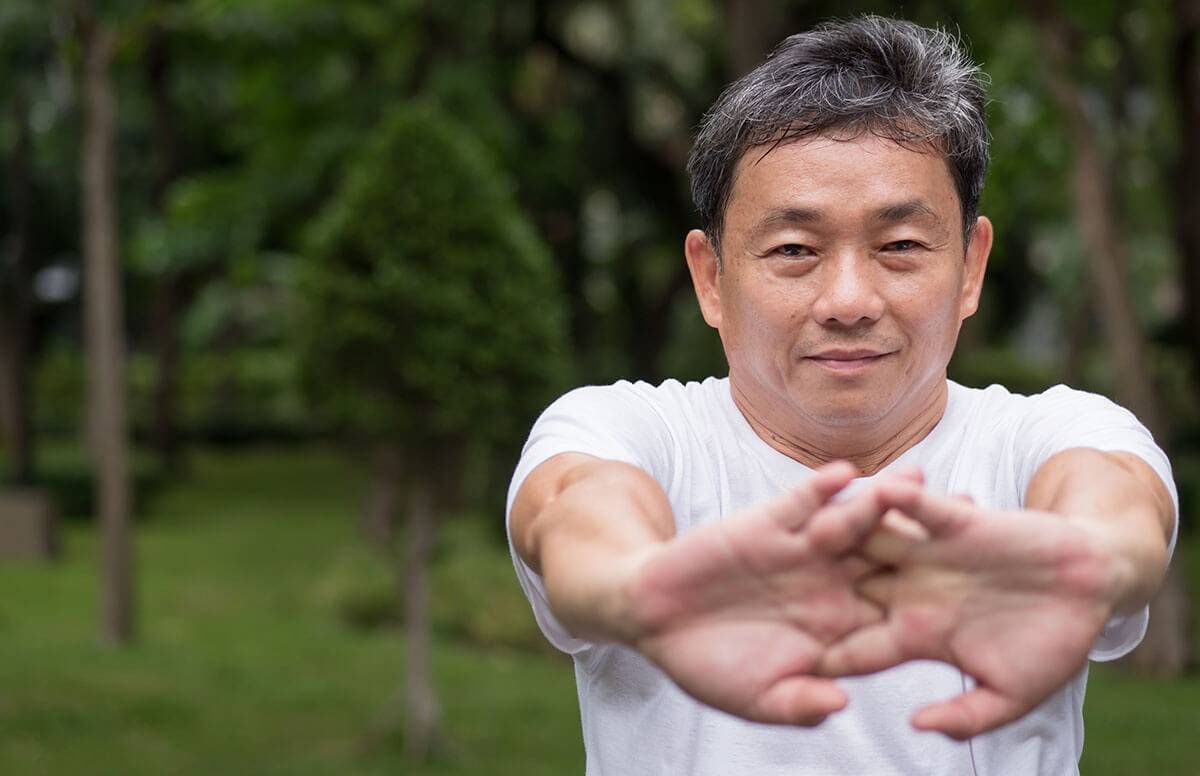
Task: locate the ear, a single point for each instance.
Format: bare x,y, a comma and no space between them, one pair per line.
702,263
975,266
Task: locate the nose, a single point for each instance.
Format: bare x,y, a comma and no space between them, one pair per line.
848,295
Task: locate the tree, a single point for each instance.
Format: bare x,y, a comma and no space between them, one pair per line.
106,425
431,320
1185,81
172,288
16,302
26,45
1099,216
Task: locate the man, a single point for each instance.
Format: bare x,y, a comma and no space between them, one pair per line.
717,555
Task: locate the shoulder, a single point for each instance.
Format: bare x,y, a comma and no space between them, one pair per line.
1066,400
635,422
1037,426
670,402
1030,428
997,405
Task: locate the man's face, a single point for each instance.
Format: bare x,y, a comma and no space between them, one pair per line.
844,279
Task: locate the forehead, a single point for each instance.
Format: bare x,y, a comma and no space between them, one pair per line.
844,178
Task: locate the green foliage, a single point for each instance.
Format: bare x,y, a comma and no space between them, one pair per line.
430,310
245,394
65,474
208,219
25,42
983,366
477,601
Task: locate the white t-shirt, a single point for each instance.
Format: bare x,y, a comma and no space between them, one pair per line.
695,442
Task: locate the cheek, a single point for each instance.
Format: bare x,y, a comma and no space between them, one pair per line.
762,310
928,311
760,325
935,320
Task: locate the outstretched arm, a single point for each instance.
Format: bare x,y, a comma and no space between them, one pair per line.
1125,503
737,612
1015,599
582,523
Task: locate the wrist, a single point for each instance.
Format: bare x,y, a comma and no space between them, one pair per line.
1126,563
594,591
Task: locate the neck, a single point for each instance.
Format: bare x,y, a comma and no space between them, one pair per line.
869,447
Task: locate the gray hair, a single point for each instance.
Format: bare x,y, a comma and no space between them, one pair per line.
893,78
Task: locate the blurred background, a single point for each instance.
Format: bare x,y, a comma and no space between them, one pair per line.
283,283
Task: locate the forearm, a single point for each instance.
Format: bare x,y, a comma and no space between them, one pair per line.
1125,509
587,537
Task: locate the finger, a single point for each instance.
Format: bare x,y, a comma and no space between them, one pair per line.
829,480
909,473
793,509
879,589
902,523
864,651
864,612
893,539
857,568
940,515
974,712
843,525
799,700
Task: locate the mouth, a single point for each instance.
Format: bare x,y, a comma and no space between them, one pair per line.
848,361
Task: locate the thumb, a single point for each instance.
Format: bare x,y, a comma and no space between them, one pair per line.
975,711
864,651
799,700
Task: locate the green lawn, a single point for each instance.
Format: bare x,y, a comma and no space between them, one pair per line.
251,577
245,663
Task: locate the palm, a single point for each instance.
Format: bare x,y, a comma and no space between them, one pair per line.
1014,599
1026,605
739,612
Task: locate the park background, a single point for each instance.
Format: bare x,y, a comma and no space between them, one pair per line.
283,283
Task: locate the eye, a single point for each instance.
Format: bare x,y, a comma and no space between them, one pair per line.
902,246
793,251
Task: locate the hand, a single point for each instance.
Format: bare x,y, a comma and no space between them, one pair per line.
738,612
1014,599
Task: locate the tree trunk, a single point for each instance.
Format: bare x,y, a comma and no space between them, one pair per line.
383,502
1097,214
170,290
1186,81
421,704
16,307
105,335
1167,649
1078,322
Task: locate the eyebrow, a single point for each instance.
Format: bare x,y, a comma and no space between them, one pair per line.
790,216
889,214
903,211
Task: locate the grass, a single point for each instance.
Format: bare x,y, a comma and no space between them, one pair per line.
251,577
245,664
1138,726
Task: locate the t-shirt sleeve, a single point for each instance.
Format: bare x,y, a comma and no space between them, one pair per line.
617,422
1063,418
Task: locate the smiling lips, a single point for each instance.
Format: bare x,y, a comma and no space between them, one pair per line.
848,361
